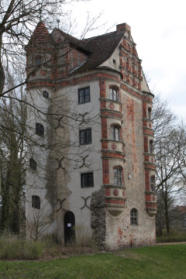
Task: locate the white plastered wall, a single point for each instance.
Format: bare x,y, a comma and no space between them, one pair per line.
75,199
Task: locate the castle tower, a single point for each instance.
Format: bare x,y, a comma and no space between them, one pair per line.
91,169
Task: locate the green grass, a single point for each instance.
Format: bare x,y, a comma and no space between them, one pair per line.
159,262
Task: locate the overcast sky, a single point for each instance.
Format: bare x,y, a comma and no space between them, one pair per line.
159,30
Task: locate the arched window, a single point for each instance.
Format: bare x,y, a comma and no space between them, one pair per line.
39,129
116,132
114,95
118,176
36,203
45,94
134,216
149,113
152,182
151,148
33,164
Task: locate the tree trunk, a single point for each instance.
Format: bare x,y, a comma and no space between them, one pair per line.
166,212
2,74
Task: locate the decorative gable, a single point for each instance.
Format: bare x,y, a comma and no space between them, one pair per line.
130,64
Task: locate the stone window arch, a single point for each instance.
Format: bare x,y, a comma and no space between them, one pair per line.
39,129
134,216
118,176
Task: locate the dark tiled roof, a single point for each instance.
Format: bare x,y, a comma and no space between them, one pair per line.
101,47
74,41
98,49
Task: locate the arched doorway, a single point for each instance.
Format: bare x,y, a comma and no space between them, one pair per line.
69,227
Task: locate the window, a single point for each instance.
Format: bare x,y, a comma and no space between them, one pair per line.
151,146
118,176
152,183
38,60
33,164
116,132
45,94
85,136
134,216
39,129
84,95
36,202
87,179
149,113
114,94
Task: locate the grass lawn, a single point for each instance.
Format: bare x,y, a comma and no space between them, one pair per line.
139,263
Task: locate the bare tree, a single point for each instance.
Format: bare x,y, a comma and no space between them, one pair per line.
12,163
169,148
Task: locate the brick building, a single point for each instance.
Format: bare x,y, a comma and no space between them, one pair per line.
91,166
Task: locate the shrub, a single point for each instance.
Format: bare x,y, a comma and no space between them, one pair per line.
13,248
173,236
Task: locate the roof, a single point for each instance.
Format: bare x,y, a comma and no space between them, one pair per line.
101,48
97,49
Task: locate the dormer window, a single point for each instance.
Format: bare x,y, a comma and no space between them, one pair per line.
113,94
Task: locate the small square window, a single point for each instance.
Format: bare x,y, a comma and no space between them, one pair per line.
84,95
87,180
45,94
38,60
36,202
85,136
39,129
33,164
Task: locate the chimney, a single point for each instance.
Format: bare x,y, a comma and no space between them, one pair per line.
123,27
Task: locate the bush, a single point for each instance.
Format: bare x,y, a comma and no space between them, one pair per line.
173,236
13,248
